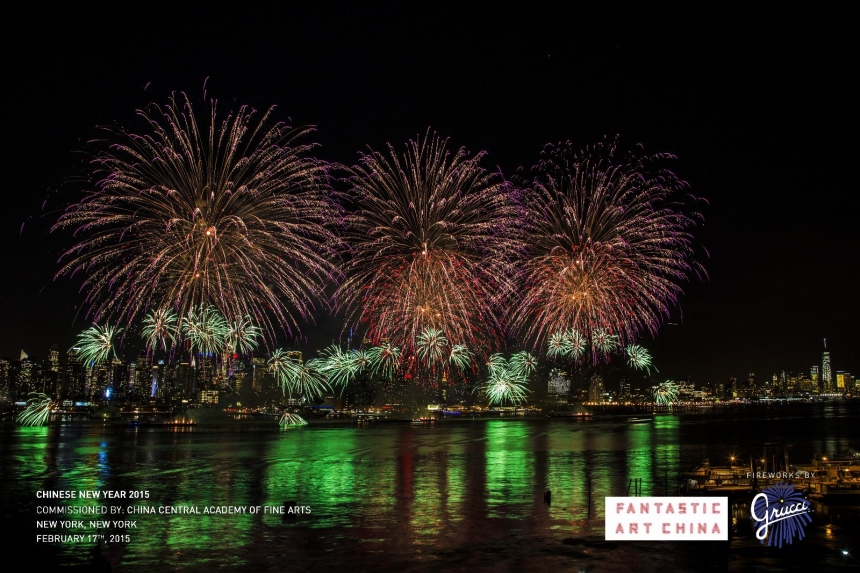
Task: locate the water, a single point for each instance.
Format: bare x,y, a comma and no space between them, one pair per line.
391,497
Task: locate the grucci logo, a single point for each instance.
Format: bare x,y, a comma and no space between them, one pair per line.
781,514
667,518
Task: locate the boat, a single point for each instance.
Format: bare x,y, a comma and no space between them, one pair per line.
169,423
104,413
423,421
639,420
835,478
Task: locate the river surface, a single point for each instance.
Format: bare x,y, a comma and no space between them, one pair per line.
464,495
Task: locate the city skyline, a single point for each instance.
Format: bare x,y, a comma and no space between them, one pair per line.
741,110
172,375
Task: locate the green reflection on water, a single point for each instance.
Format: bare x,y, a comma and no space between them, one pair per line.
509,467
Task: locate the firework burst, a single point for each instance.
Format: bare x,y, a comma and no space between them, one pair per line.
242,335
522,364
568,344
432,236
602,342
206,330
338,367
609,245
639,358
431,345
279,364
461,357
508,378
160,326
384,359
665,394
296,378
228,211
95,344
37,412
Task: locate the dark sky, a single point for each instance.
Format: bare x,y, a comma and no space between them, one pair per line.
761,113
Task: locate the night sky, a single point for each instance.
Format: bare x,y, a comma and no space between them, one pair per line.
758,110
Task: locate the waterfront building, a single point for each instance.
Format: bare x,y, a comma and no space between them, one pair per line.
558,386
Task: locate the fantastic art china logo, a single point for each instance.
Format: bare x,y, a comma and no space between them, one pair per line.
780,513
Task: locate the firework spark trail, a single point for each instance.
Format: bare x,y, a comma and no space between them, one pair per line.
95,344
610,245
433,236
37,412
226,211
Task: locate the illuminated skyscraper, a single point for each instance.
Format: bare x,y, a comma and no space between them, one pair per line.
826,374
5,369
814,374
54,359
840,381
595,393
142,378
558,387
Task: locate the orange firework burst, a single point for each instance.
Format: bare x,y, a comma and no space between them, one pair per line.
226,211
432,239
609,244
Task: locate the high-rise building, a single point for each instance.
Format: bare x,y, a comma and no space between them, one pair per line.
25,376
54,359
815,377
184,379
826,374
840,381
595,390
75,375
258,372
5,378
558,386
142,375
624,388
